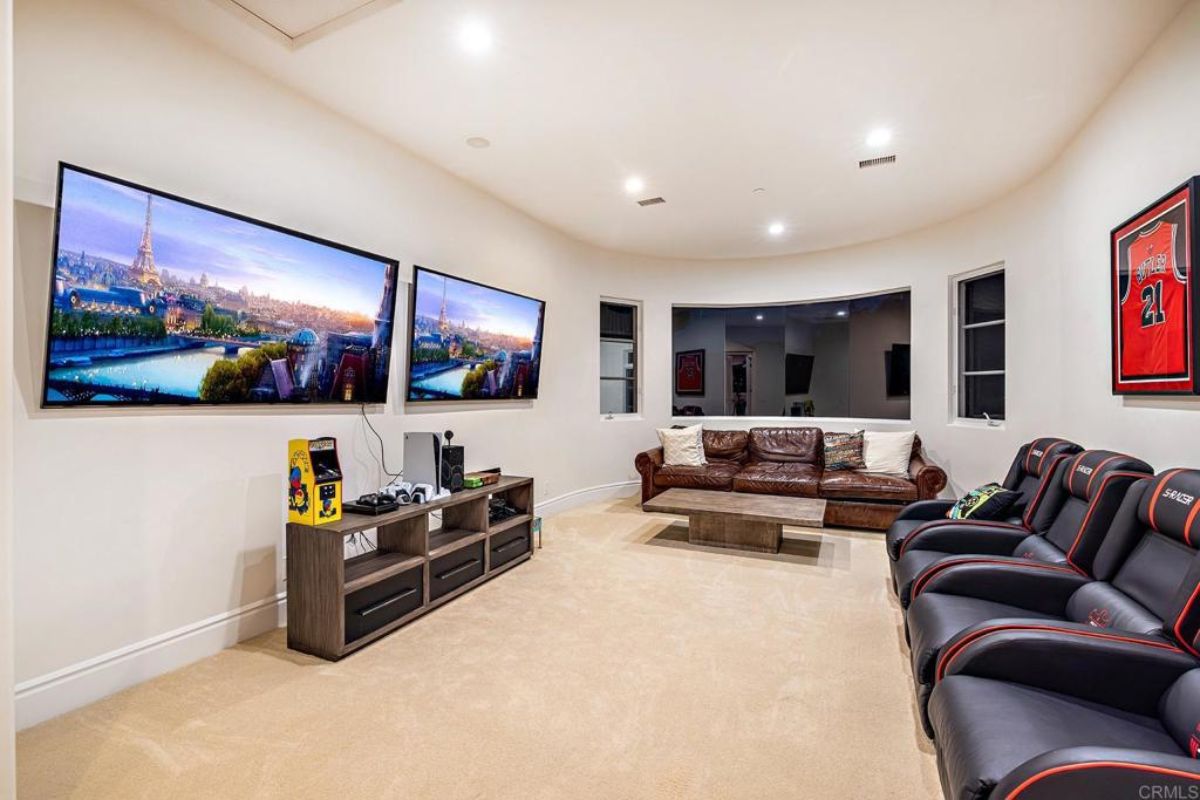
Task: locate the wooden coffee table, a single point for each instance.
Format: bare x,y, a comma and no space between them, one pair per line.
737,519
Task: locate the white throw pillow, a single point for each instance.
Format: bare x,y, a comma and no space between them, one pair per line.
683,447
888,451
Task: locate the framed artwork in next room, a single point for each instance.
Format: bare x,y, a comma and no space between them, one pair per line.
1154,297
689,372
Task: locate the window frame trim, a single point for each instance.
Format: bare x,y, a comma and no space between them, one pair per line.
638,313
958,343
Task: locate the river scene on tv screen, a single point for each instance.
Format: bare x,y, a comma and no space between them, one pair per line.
472,342
155,300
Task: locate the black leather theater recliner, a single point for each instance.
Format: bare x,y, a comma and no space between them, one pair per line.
1033,461
1147,579
1069,711
1068,520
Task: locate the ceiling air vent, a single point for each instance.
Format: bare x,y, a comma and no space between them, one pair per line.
876,162
651,201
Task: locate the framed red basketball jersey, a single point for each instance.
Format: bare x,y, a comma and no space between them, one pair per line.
1154,345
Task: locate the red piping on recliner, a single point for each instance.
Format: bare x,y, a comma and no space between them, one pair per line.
1101,764
1092,507
1096,472
1033,445
1154,497
940,566
1179,621
990,523
1071,472
1187,525
953,652
1047,479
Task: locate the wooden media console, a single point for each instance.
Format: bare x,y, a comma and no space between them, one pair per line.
336,605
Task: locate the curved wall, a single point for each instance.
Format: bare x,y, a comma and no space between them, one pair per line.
145,538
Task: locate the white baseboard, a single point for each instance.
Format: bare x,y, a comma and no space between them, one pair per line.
579,497
69,688
63,690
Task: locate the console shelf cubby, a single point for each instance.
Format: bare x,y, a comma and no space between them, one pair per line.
337,605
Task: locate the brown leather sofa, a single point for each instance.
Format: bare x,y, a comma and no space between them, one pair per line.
791,461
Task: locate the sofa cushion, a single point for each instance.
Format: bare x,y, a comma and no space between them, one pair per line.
682,446
844,451
728,445
867,486
806,445
889,452
797,480
714,475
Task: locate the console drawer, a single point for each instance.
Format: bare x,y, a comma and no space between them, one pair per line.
509,545
455,569
376,605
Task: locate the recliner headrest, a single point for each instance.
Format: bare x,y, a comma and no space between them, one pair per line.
1085,472
1043,452
1172,503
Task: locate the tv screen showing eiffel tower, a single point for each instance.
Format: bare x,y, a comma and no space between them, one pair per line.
157,299
472,342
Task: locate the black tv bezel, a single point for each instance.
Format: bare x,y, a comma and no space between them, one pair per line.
412,330
390,263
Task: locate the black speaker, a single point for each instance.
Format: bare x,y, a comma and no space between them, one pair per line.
452,467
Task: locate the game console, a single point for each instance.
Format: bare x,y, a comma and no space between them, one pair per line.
500,509
451,467
372,504
422,460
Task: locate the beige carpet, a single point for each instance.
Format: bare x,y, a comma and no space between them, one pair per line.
618,663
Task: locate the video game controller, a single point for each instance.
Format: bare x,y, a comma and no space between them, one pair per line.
374,500
400,492
422,493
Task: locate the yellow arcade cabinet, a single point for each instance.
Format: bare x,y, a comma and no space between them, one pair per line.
314,481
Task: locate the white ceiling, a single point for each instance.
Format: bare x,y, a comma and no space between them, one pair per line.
709,100
299,21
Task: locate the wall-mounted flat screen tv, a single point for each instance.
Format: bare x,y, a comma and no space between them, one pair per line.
797,373
160,300
472,342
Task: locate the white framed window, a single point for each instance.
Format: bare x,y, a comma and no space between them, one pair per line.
979,365
620,321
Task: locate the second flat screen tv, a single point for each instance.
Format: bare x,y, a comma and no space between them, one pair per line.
155,299
472,342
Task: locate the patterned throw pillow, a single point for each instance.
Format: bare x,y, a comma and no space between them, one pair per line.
989,501
683,447
844,450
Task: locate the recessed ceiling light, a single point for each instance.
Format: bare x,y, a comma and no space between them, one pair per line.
475,37
879,137
634,184
775,229
478,142
758,317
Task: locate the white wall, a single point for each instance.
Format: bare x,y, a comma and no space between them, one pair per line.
137,524
184,511
7,765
